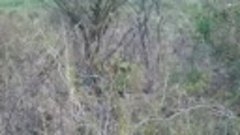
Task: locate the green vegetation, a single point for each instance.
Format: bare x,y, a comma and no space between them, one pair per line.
119,67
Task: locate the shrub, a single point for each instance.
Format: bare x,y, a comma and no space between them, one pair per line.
92,17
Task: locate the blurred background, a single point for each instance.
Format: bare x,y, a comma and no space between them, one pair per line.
119,67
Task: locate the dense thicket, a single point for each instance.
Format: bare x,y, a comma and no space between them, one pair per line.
119,67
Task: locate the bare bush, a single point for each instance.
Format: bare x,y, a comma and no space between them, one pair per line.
108,67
